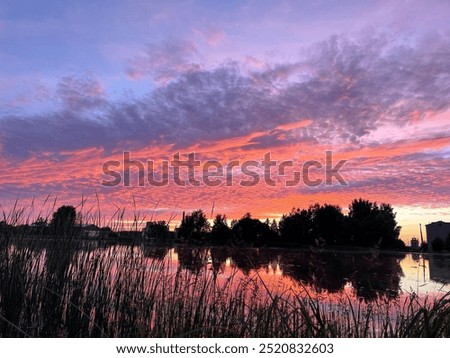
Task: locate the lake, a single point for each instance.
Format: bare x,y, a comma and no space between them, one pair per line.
360,274
63,288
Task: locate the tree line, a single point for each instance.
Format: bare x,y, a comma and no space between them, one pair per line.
367,224
65,221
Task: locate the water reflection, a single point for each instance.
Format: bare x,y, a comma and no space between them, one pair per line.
155,252
426,273
83,289
439,268
370,275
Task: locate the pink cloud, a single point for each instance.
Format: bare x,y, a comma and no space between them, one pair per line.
163,62
211,34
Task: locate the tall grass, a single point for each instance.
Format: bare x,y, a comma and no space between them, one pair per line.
64,288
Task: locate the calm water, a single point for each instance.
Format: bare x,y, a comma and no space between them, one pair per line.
73,288
366,275
362,275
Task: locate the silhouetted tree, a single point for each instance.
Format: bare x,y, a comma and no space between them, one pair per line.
373,225
327,223
158,230
274,227
221,232
63,221
361,220
388,227
367,224
272,235
296,227
194,226
251,231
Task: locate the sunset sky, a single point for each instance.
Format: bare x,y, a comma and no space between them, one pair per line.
83,81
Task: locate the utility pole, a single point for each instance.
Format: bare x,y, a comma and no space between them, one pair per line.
421,236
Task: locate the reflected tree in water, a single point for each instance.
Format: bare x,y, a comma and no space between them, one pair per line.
192,258
376,276
156,252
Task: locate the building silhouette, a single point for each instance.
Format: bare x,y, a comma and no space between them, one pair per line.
437,229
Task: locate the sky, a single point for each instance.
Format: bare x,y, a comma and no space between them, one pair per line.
83,81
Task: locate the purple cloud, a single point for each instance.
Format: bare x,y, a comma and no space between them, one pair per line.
163,61
78,93
346,88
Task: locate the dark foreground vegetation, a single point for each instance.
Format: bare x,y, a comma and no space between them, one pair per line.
52,284
65,290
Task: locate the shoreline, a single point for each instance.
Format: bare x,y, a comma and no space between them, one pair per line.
290,248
